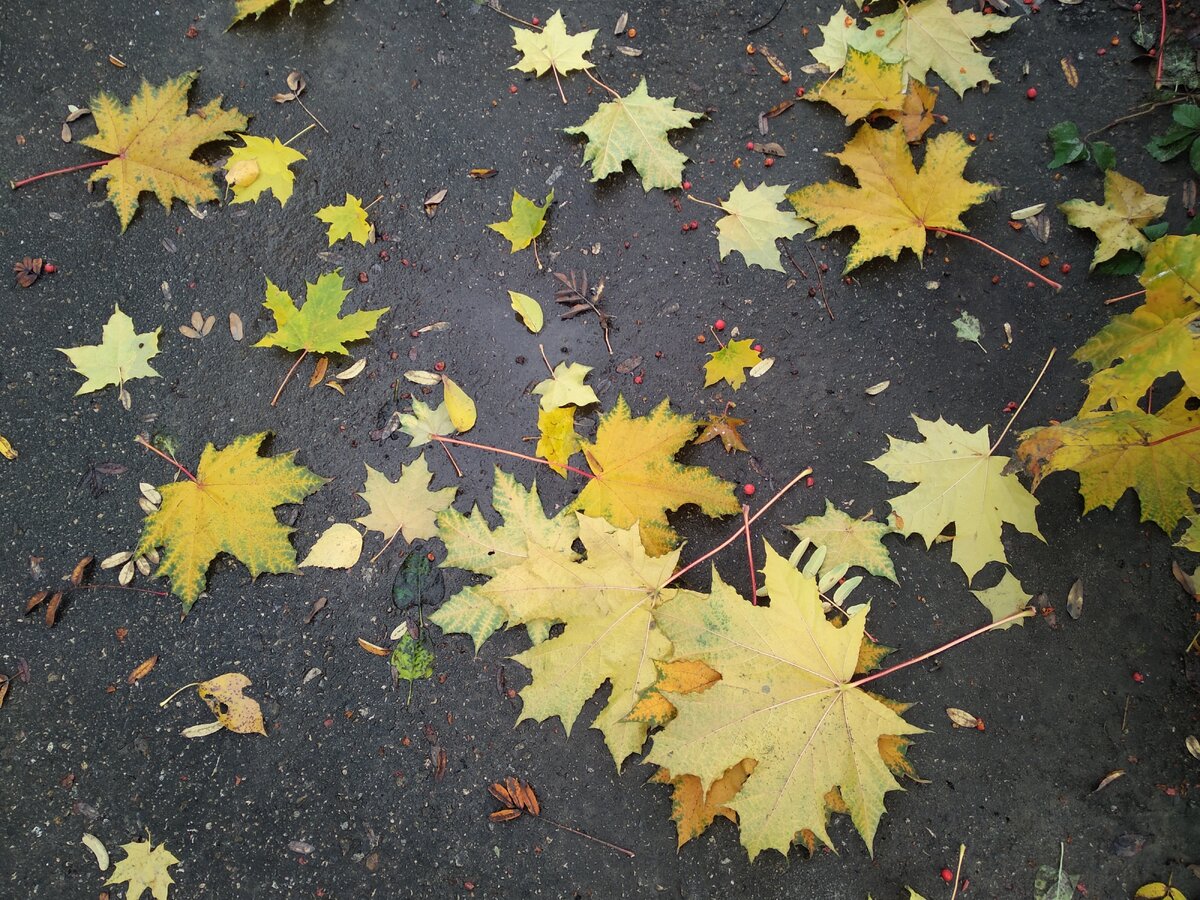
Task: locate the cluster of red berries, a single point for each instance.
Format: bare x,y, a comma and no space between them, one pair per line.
690,226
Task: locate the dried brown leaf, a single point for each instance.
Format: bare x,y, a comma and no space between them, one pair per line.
4,682
319,372
318,605
373,648
1192,743
622,21
80,570
1108,779
52,608
142,670
1075,599
35,601
1069,72
65,134
27,270
505,815
961,718
779,109
1184,579
296,83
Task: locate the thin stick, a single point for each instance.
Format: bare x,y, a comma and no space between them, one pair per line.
453,461
1012,617
383,548
140,440
1029,393
311,116
788,253
716,336
1135,115
31,179
537,258
1111,300
533,459
1162,40
962,852
706,203
750,554
601,83
178,692
299,134
1125,715
512,18
733,537
288,377
119,587
542,350
1001,253
820,283
584,834
554,69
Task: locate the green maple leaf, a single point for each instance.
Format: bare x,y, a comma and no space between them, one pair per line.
347,219
637,480
152,141
261,165
959,482
925,36
244,8
565,387
144,868
472,544
121,356
229,508
752,223
425,421
848,541
730,363
316,327
552,48
526,222
634,128
1127,208
1005,599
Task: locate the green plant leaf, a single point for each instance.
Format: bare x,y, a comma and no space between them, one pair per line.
121,355
317,326
411,659
1067,145
526,222
848,541
753,222
348,219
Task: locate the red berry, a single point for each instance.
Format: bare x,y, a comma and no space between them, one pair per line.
947,875
809,481
757,348
1031,93
362,278
439,366
637,379
535,21
693,224
50,268
719,324
512,88
748,489
687,185
995,279
1137,7
799,92
658,354
1029,284
414,333
749,145
1139,677
1102,51
1065,268
769,161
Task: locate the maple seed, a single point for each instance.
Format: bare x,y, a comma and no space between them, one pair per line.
1031,93
719,324
748,489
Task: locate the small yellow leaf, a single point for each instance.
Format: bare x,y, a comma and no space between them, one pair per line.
961,718
460,407
528,309
373,648
6,449
351,372
235,711
339,547
204,729
420,376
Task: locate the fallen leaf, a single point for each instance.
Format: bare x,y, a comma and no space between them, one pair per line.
1075,599
526,222
552,48
961,718
1127,208
52,608
433,200
848,541
730,362
317,326
80,570
459,406
145,868
565,387
878,388
726,428
122,355
142,670
405,506
98,849
866,84
237,712
338,547
557,439
202,730
1004,599
967,328
347,219
7,450
244,8
373,649
261,165
1108,779
27,270
753,223
528,309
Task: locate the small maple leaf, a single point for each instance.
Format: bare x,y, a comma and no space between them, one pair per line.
924,36
867,83
552,48
152,141
786,699
752,223
730,363
228,508
894,204
557,440
725,427
404,506
848,541
424,422
145,869
634,128
565,387
244,8
347,219
1118,222
961,483
526,222
261,165
233,709
637,479
1004,599
916,114
317,326
121,356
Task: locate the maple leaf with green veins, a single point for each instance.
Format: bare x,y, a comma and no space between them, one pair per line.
960,482
347,219
244,8
565,387
1005,599
472,544
317,327
229,508
1171,275
637,479
634,128
786,699
893,205
552,48
848,541
424,422
867,83
144,868
557,439
121,355
924,36
526,222
1127,208
152,141
730,363
726,428
752,223
261,165
404,506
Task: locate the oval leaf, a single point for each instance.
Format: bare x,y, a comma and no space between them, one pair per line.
460,407
528,309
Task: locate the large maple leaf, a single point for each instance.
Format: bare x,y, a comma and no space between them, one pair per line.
1127,208
228,508
786,699
960,482
753,222
1171,275
317,326
152,141
894,204
637,479
244,8
634,128
924,36
867,83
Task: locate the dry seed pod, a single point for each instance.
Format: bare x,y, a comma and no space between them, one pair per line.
35,601
52,608
80,570
143,565
152,556
147,507
208,325
117,559
505,815
126,574
150,492
235,326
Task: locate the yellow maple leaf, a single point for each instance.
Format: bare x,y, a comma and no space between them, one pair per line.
152,141
960,482
637,479
552,48
233,709
693,808
1171,275
227,508
730,363
893,205
1004,599
752,223
244,8
1127,208
145,869
261,165
526,221
405,505
865,84
557,440
347,219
